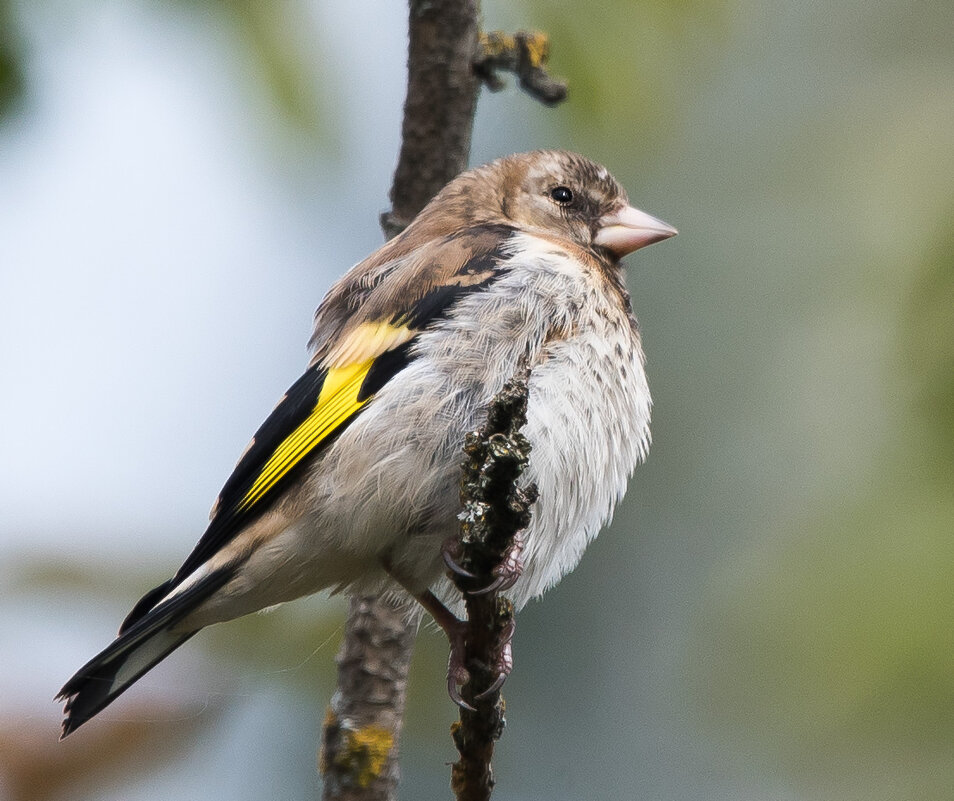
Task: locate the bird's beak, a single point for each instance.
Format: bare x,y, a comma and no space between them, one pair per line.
628,229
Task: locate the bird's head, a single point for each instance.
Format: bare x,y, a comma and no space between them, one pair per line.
556,194
569,196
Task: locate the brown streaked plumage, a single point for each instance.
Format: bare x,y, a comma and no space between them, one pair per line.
385,287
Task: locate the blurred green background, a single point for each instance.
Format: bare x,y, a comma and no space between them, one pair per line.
769,616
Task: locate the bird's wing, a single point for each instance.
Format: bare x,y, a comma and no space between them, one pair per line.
364,332
405,285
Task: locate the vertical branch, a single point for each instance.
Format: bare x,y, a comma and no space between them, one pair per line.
442,89
363,721
360,742
495,510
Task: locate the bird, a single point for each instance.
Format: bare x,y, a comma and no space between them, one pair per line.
351,483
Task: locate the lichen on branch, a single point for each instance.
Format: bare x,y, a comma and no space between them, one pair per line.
495,510
525,54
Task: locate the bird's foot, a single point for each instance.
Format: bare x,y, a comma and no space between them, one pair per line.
507,572
450,552
458,675
503,664
456,630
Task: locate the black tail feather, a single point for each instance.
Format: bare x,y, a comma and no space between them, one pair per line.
98,685
138,648
145,604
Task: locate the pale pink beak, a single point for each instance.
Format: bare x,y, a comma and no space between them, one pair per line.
628,229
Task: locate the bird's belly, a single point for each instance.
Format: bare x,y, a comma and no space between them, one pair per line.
387,492
588,424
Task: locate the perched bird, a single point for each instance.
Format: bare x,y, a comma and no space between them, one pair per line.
351,484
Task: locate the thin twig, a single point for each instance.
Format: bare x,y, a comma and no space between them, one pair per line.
495,510
525,54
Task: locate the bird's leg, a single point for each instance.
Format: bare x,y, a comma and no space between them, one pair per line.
456,631
505,576
453,627
508,571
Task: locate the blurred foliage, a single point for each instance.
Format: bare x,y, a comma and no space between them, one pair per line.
48,575
621,58
280,42
927,347
35,767
12,57
834,653
277,41
832,645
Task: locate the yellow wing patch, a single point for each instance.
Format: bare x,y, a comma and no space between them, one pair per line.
367,341
336,403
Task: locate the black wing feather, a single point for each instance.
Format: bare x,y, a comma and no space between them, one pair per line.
299,402
94,686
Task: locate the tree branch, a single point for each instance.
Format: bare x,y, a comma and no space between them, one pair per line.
495,510
359,760
439,110
525,54
363,721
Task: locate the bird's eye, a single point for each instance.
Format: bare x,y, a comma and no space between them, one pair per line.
562,195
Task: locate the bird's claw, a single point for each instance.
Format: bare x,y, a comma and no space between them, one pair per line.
498,683
505,576
453,684
449,551
498,584
507,572
457,673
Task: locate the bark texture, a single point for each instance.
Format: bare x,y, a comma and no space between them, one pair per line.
495,510
439,110
363,722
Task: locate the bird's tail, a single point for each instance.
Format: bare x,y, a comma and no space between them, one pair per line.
143,642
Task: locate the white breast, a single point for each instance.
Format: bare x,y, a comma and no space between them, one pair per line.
588,422
391,480
589,406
